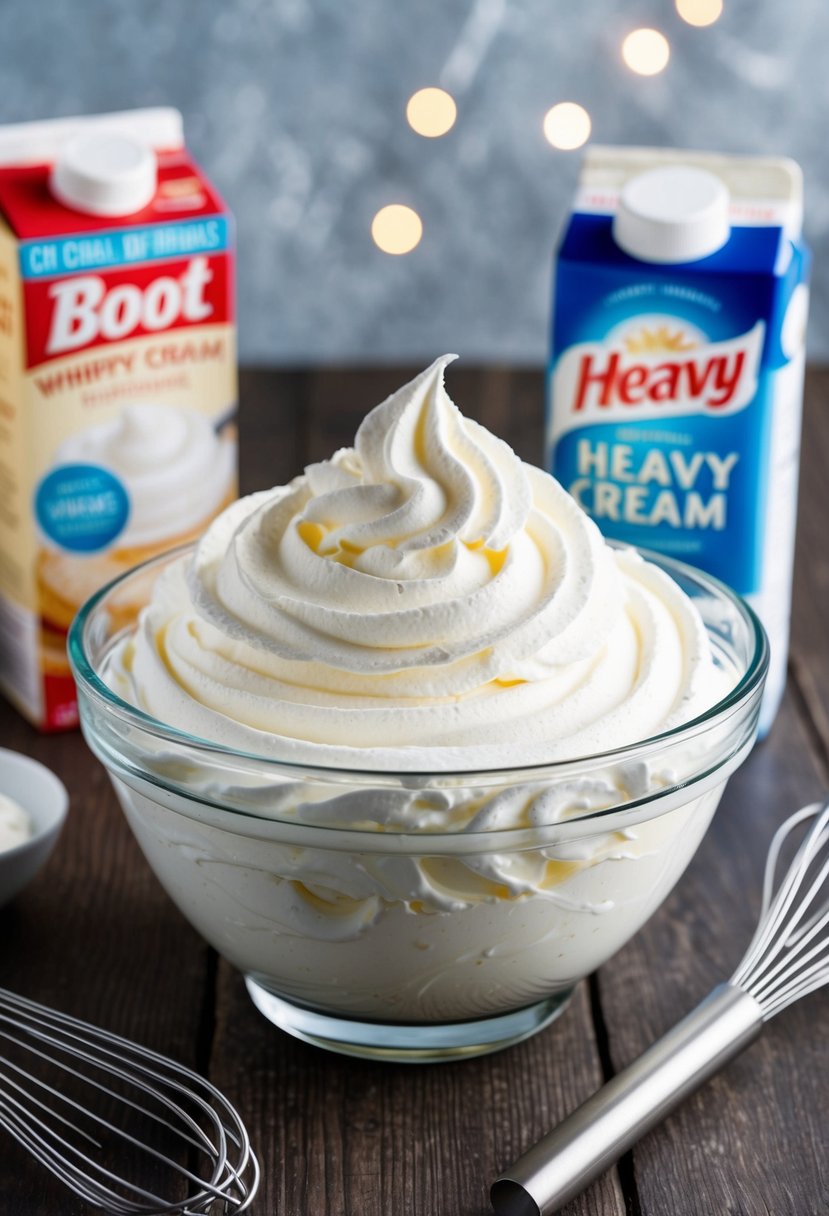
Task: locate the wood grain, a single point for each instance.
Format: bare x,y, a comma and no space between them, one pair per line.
810,608
273,427
351,1138
95,935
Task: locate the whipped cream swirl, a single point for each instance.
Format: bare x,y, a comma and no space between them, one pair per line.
421,601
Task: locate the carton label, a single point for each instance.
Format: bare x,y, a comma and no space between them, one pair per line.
80,310
81,507
666,385
87,309
598,380
71,255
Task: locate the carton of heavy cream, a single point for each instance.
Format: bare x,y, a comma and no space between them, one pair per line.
117,374
676,372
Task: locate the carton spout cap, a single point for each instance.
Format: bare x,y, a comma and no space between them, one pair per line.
105,173
672,214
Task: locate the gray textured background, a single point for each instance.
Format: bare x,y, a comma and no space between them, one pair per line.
296,110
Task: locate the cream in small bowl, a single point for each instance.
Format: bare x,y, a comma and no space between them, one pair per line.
33,806
409,743
15,824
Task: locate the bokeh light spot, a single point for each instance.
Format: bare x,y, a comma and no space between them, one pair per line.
699,12
567,125
646,52
431,112
396,229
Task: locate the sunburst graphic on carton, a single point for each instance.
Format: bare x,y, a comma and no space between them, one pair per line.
651,341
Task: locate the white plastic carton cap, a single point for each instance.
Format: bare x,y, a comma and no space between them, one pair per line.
674,214
104,173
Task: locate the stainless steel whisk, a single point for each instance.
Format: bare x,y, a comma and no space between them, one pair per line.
788,958
70,1092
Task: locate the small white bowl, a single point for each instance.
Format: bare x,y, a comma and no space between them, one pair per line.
45,800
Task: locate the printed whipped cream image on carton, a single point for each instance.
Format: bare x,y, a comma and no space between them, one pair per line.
675,380
117,374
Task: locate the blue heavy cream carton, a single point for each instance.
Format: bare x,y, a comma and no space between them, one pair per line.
676,374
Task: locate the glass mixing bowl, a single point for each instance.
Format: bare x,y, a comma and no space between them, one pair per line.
417,916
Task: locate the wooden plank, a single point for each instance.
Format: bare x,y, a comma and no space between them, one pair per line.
347,1137
754,1140
810,608
95,936
272,426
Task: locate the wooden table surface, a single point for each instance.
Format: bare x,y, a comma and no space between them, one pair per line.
95,935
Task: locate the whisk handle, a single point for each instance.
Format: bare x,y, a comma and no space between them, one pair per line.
588,1141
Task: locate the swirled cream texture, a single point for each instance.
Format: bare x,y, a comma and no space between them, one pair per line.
176,470
423,600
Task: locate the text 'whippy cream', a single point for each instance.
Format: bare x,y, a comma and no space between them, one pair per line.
675,380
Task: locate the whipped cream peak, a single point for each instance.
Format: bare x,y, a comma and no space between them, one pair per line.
424,597
453,480
418,547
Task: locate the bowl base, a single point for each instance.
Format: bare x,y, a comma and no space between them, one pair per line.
423,1043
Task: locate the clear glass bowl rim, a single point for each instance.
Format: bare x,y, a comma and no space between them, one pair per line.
90,683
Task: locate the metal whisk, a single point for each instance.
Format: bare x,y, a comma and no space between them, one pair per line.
90,1106
788,958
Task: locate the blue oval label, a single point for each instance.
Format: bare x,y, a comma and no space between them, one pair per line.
82,507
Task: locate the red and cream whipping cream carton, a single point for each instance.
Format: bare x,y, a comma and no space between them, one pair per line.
118,382
676,371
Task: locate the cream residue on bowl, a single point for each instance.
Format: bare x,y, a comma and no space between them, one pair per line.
15,824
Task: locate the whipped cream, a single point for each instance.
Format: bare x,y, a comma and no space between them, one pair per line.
15,824
175,468
421,601
438,935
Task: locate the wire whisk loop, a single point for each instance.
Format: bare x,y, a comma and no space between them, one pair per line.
85,1102
788,957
